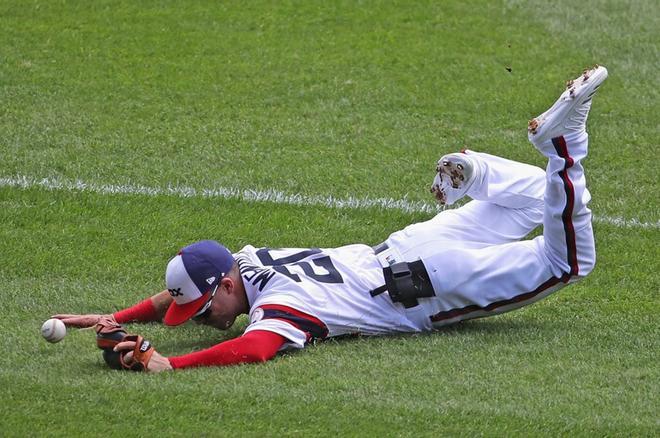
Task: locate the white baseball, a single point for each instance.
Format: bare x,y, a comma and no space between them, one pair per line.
53,330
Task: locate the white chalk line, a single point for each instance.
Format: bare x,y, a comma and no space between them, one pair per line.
269,195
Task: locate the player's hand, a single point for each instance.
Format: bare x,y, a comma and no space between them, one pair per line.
139,355
81,321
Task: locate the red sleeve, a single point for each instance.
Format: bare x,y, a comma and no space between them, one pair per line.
254,346
143,311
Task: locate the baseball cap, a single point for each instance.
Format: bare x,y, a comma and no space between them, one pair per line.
191,276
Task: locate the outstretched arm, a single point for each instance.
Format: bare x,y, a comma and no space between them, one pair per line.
254,346
150,309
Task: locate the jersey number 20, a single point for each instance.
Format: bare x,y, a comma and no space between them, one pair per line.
280,265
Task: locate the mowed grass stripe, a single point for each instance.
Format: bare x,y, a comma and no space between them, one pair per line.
269,195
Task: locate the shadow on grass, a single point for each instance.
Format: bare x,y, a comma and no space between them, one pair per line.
196,338
493,327
496,326
487,326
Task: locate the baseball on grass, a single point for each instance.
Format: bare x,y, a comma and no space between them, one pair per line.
53,330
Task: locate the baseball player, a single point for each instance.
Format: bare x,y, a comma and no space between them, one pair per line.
464,263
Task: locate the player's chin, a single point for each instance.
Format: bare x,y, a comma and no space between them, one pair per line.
221,324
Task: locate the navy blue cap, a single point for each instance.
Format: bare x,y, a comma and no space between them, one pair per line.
192,275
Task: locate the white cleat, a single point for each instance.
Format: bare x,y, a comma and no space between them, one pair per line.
569,113
456,174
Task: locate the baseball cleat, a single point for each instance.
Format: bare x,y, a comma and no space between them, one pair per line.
569,113
455,175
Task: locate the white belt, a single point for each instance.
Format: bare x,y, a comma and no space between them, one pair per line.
386,255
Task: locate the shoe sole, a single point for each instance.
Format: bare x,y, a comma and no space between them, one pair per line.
578,91
450,168
453,171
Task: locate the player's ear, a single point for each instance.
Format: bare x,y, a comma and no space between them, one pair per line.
228,284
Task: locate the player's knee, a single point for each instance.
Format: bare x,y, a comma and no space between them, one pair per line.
587,266
584,257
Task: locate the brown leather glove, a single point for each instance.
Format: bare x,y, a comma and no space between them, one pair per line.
142,352
108,334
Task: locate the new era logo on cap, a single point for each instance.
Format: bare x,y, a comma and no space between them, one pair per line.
191,275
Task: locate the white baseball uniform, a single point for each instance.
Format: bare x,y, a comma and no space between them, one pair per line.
473,254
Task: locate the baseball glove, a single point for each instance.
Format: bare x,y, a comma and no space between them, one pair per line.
142,353
108,334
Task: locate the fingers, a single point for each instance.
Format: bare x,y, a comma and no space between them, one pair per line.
125,346
66,317
128,358
80,321
153,362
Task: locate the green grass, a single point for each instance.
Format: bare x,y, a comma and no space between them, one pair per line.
318,98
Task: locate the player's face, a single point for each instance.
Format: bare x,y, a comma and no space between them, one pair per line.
223,310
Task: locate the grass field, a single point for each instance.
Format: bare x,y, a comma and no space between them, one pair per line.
314,99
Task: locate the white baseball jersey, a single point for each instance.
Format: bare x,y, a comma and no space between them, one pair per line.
473,256
304,294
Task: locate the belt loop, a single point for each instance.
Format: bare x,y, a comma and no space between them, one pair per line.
380,248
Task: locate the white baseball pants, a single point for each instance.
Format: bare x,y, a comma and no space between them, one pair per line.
473,255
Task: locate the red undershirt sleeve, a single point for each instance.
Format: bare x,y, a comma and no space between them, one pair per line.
254,346
144,311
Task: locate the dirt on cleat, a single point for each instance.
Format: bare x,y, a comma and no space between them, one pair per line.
532,126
